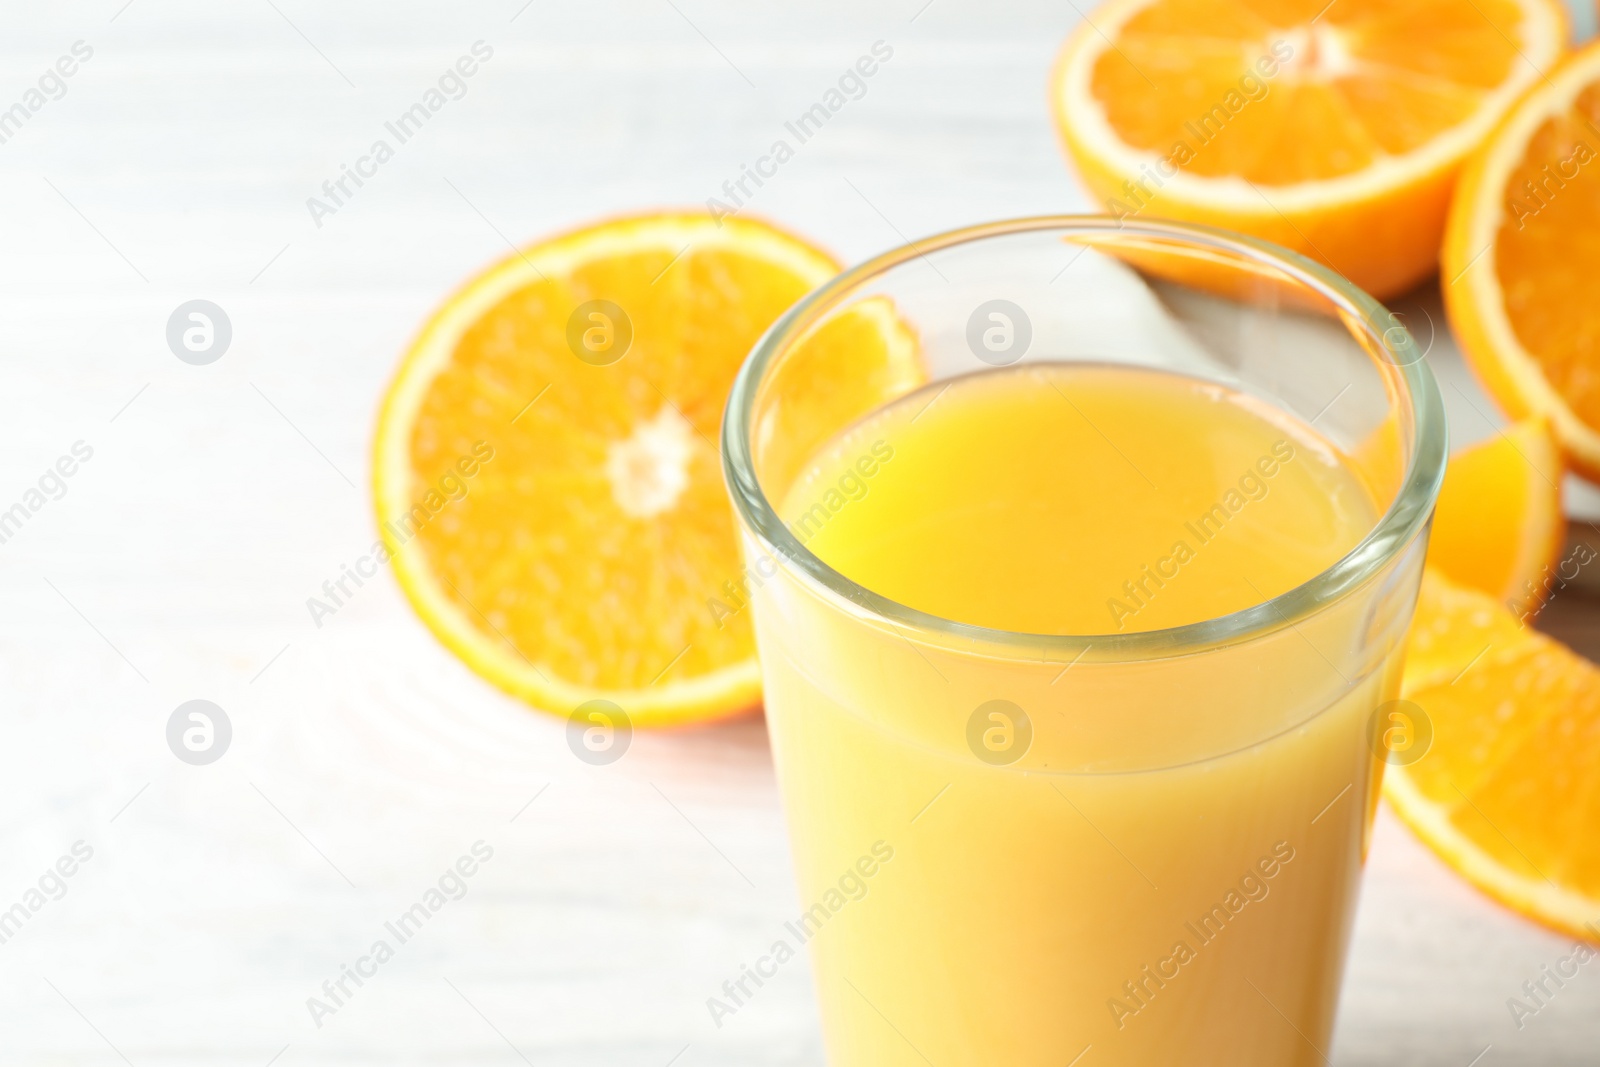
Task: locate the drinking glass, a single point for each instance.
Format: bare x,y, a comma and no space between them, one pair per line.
1112,848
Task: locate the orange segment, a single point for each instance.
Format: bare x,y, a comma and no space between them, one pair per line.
1498,527
1453,626
1522,253
546,473
1509,791
1402,110
1334,129
825,385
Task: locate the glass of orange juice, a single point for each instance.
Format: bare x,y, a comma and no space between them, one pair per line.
1081,555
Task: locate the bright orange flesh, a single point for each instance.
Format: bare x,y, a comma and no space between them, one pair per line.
580,561
1522,254
1363,81
1509,791
1498,527
1334,129
1548,252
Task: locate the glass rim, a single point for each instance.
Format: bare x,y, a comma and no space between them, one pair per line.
1406,516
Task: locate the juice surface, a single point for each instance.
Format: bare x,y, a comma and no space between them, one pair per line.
1139,862
1080,500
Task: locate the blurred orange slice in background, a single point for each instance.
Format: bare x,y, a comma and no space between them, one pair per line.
546,469
1498,527
1497,765
1521,263
1335,129
1507,791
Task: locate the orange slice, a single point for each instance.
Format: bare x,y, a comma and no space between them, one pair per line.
1522,254
1334,129
1508,790
829,381
1498,527
546,473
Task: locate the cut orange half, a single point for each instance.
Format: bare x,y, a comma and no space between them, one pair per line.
1522,256
1507,788
1335,129
1498,527
546,467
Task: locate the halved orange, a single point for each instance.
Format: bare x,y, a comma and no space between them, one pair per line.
1508,791
1335,129
1522,254
546,471
1498,527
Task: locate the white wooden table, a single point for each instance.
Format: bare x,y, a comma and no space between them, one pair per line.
365,760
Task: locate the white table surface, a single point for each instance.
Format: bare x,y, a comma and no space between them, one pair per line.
366,759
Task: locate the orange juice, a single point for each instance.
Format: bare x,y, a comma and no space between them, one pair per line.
1123,860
